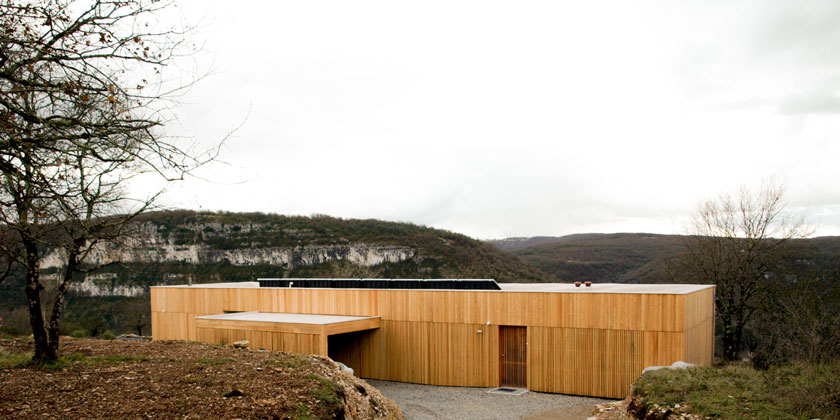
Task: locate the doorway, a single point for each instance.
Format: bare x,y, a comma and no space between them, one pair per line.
513,356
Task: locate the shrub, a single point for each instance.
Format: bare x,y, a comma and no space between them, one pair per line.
108,335
80,333
796,391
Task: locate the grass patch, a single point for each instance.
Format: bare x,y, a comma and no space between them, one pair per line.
211,361
65,361
116,360
198,380
329,396
798,391
290,361
22,360
14,360
302,412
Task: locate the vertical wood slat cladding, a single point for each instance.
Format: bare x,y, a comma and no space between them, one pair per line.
578,343
699,307
428,352
288,342
700,343
584,361
513,356
651,312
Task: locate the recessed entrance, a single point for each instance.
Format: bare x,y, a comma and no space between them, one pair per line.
513,356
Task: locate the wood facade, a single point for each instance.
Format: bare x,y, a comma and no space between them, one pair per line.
575,342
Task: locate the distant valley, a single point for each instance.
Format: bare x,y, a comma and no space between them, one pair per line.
642,257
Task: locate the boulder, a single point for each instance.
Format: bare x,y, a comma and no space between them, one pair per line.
676,365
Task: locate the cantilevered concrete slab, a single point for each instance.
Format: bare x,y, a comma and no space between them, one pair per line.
288,327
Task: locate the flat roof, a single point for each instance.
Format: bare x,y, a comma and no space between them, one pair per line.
650,289
659,289
287,318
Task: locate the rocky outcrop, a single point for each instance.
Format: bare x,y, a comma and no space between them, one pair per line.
359,400
149,244
105,285
360,254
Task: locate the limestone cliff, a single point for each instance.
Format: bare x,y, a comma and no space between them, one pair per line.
182,246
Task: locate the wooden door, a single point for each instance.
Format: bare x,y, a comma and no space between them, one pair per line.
513,356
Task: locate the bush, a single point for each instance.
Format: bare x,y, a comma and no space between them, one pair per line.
80,333
796,391
108,335
16,322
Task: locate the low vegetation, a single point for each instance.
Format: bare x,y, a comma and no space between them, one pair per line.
738,391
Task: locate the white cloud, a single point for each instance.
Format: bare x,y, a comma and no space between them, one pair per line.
501,118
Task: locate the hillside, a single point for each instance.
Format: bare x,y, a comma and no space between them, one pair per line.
517,243
177,247
98,379
212,247
642,257
604,258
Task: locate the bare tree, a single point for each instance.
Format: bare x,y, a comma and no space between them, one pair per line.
735,243
82,102
800,320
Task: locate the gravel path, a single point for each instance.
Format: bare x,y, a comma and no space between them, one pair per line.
425,402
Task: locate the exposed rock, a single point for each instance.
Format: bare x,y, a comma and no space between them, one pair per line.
640,408
104,284
243,344
676,365
149,245
361,401
133,337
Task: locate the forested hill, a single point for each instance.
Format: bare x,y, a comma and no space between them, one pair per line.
642,257
179,246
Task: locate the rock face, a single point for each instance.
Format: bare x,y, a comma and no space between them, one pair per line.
105,285
183,247
150,246
152,243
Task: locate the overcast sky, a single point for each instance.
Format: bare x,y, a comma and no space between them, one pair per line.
498,119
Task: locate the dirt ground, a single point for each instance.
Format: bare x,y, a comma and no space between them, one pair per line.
138,379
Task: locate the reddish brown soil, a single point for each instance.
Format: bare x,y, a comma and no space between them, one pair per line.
136,379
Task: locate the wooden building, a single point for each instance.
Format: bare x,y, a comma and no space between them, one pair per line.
545,337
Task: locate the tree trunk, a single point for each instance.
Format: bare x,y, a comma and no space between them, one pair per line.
738,340
140,324
58,306
33,299
729,340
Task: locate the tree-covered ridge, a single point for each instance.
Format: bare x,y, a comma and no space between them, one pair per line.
645,258
439,253
436,254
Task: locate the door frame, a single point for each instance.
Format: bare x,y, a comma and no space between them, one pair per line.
503,334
